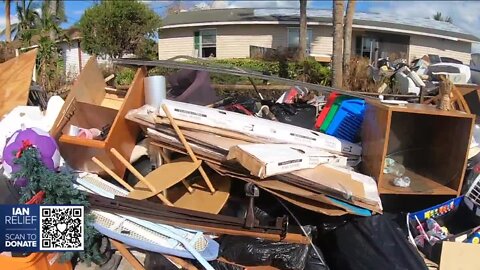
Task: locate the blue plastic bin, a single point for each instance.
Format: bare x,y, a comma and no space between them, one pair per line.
348,120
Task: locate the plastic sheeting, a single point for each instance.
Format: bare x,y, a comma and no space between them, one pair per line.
369,244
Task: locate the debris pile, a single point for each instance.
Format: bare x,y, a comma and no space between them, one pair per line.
316,179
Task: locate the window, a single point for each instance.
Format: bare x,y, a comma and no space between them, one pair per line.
206,43
294,37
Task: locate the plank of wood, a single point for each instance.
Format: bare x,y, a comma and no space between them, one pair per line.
127,255
15,80
123,134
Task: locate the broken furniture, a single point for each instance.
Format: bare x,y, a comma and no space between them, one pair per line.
94,110
207,222
348,191
431,144
457,100
167,175
15,78
470,93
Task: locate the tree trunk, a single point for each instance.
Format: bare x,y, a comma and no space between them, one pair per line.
337,77
52,13
347,40
8,30
302,45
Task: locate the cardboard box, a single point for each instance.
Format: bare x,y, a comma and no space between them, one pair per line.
258,127
459,256
263,160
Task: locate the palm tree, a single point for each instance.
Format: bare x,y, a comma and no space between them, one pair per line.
302,45
27,14
337,75
347,38
54,10
439,17
8,31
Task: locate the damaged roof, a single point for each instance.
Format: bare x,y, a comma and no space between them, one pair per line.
376,21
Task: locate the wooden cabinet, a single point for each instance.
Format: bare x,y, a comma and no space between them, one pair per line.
431,144
94,110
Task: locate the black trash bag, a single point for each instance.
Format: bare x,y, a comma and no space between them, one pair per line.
370,243
259,252
315,260
156,261
219,265
297,114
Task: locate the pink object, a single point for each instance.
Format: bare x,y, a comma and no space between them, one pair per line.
89,133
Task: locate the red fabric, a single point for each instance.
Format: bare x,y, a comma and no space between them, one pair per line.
37,198
25,144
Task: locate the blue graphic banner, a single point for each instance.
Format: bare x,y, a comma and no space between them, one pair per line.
19,228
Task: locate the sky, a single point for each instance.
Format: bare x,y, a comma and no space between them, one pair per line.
465,14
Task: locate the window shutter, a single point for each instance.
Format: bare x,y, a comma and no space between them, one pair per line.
196,39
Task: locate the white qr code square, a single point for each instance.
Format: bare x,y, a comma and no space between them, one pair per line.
61,228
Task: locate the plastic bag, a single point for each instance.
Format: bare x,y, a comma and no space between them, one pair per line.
259,252
368,244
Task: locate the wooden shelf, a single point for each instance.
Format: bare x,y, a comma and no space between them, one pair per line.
420,109
419,185
431,144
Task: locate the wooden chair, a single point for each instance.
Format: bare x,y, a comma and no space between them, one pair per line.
193,197
457,100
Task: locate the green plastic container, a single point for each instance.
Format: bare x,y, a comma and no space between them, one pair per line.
331,113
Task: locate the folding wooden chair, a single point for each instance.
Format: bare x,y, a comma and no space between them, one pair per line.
195,197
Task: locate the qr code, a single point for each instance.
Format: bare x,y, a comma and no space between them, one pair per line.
61,228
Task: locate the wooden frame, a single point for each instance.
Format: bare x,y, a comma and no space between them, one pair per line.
15,78
431,144
89,88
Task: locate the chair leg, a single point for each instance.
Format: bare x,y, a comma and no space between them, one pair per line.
187,147
112,174
184,264
139,176
127,255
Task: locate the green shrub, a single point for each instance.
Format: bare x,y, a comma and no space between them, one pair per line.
124,76
311,71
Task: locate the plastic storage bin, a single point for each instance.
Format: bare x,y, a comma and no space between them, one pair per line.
348,120
34,261
332,112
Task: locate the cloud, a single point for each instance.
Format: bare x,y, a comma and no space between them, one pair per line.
463,13
263,4
13,19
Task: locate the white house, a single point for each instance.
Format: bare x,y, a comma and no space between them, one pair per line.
229,33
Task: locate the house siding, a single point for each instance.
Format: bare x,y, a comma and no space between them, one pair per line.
235,41
322,42
173,42
421,45
71,59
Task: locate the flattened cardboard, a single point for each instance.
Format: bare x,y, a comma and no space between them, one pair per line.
263,160
293,181
459,256
275,131
15,79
